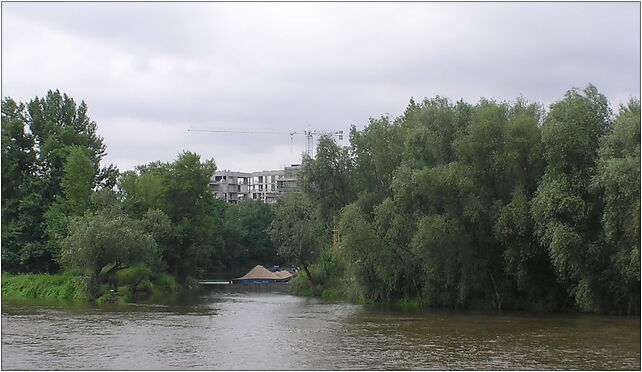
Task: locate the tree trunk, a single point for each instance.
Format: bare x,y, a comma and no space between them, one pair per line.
628,309
313,287
499,299
94,281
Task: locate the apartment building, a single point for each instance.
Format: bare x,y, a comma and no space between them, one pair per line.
287,183
230,186
266,185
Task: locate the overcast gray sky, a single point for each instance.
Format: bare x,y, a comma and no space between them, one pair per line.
149,71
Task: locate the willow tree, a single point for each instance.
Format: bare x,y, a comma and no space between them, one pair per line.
566,213
617,182
298,231
104,242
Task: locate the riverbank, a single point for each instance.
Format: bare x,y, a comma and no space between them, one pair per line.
340,289
56,286
131,283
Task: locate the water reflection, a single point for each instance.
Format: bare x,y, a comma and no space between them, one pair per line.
224,327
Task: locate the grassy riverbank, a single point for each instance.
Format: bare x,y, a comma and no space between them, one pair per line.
299,286
57,286
74,287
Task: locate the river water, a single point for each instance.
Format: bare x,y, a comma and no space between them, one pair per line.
225,327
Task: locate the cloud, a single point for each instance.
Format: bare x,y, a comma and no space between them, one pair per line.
150,70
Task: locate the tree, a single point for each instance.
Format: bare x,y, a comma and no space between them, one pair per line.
78,180
377,151
37,140
254,218
327,179
18,178
565,212
298,230
141,191
189,205
431,127
180,190
245,241
105,238
617,182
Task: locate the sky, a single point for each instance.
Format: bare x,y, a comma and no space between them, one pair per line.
151,71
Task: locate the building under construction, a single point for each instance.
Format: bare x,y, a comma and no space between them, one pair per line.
265,186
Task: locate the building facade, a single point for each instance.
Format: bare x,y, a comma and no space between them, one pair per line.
230,186
266,186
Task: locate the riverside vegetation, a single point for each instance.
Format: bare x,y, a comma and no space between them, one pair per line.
495,205
89,233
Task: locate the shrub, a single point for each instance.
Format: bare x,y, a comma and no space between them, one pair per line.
164,283
299,285
133,276
332,294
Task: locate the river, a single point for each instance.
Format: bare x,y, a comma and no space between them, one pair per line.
226,327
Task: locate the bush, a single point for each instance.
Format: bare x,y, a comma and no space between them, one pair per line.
318,274
332,294
144,286
133,276
299,285
164,283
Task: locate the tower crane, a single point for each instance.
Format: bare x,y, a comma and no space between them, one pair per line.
309,134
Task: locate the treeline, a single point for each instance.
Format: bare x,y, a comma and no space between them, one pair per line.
62,212
493,205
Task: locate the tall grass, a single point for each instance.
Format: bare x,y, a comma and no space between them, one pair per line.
132,283
58,286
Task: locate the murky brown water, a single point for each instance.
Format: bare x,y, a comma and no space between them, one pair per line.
220,327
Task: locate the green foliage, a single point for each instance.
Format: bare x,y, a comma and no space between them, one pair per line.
105,238
617,182
297,229
565,211
59,207
327,179
78,180
133,276
245,237
494,205
43,168
164,283
98,239
77,183
61,286
377,151
179,190
299,285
